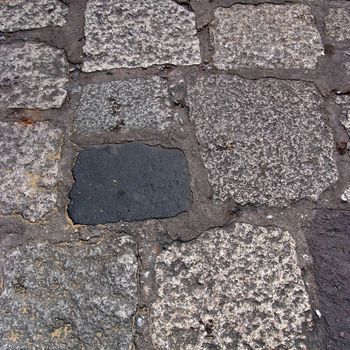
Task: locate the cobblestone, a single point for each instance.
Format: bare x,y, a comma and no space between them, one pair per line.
32,75
29,168
270,150
138,33
234,288
265,36
338,24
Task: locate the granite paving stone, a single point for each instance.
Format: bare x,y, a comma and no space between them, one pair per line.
338,23
262,141
69,295
32,75
30,14
137,33
134,103
128,182
238,287
266,36
29,168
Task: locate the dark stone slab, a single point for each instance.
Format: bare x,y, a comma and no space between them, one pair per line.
329,243
128,182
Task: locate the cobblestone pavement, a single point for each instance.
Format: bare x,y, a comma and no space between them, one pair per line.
174,174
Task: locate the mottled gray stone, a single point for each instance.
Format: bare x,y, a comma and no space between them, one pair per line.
32,75
233,288
262,141
30,14
346,195
69,296
134,103
338,23
137,33
265,36
29,168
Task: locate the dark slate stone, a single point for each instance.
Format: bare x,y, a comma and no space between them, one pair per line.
128,182
329,242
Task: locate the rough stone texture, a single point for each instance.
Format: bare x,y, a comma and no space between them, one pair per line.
329,242
265,36
137,33
69,296
29,168
30,14
32,75
233,288
346,195
128,182
338,24
134,103
262,141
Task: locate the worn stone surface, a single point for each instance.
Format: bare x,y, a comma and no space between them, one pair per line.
29,168
128,182
69,296
265,36
134,103
32,75
137,33
30,14
329,241
338,23
233,288
262,141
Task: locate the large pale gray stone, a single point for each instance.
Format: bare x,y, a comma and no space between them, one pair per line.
69,296
29,168
262,141
338,23
30,14
134,103
265,36
32,75
232,288
137,33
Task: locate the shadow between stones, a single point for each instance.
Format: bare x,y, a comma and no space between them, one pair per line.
128,182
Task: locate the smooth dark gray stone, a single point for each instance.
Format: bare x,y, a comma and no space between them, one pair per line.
128,182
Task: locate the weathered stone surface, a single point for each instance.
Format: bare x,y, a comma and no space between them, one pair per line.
262,141
265,36
233,288
338,24
30,14
69,296
137,33
32,75
134,103
29,168
128,182
329,242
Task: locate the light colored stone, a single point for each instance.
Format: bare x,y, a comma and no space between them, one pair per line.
30,14
69,296
134,103
338,23
346,195
233,288
262,141
137,33
29,168
265,36
32,75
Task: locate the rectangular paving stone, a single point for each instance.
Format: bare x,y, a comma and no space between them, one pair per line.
262,141
238,287
128,182
137,33
265,36
31,14
29,168
69,296
32,75
338,23
134,103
